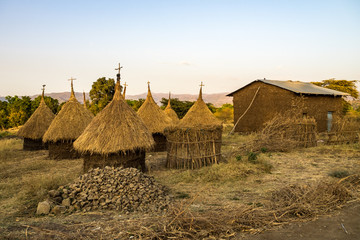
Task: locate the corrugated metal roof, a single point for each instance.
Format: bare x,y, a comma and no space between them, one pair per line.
299,87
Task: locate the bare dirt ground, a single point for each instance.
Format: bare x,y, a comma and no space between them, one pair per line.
25,177
340,225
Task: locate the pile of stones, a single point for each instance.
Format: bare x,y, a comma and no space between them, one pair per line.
122,189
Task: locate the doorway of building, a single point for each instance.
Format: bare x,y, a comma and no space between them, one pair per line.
329,121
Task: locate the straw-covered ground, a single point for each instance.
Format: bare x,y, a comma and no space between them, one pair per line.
247,194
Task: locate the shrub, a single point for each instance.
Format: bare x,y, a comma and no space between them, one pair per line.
252,157
339,173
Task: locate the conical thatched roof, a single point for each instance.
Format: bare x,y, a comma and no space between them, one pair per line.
170,112
199,115
70,122
154,118
117,128
38,123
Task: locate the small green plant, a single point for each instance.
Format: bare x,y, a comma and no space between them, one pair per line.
263,150
5,134
252,157
182,195
339,173
238,157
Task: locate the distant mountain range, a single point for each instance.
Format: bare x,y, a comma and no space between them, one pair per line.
217,99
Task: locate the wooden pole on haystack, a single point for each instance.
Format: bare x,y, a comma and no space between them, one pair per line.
124,90
72,87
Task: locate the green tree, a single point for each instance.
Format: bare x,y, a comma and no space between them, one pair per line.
347,86
52,103
225,113
60,106
135,104
19,110
101,93
211,107
182,107
3,115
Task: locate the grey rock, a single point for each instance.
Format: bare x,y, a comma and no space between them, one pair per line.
43,208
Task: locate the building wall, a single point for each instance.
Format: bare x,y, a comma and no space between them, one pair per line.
271,100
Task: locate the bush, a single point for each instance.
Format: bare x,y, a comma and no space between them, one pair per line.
339,173
252,157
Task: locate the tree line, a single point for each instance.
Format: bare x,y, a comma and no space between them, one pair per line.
15,111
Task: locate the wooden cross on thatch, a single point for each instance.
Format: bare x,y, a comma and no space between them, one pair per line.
71,79
125,85
201,85
72,86
119,69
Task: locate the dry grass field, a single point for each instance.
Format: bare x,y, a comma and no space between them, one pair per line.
247,192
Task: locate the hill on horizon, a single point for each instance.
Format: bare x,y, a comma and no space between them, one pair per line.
217,99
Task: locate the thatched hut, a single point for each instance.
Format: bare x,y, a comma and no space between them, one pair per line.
66,127
115,137
196,141
171,113
35,127
155,120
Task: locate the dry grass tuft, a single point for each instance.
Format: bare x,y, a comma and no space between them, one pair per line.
26,177
180,222
345,130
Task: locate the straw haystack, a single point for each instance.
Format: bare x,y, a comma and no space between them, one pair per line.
171,113
35,127
67,126
196,141
115,137
155,120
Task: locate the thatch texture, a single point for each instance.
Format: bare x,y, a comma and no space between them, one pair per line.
38,123
117,128
69,123
154,118
171,113
130,159
199,115
196,141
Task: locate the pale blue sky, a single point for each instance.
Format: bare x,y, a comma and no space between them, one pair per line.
175,44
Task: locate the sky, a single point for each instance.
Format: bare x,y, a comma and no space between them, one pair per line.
175,44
